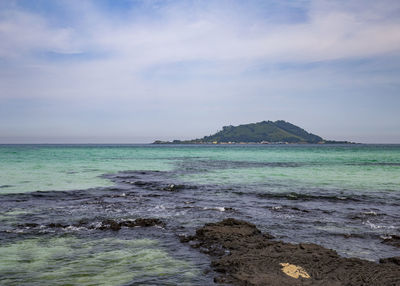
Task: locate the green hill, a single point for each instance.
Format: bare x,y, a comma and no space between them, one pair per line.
278,131
265,131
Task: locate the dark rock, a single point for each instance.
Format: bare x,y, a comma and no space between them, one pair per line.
184,238
393,240
29,224
141,183
268,236
395,260
220,280
143,222
139,222
244,256
57,225
174,188
110,224
300,210
82,222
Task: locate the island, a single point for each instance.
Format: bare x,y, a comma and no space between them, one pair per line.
264,132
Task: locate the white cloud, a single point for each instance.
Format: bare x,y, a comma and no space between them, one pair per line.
213,34
228,42
25,33
208,59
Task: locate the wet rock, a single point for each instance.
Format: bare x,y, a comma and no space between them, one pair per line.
349,235
393,240
141,183
82,222
268,236
174,188
245,256
300,210
57,225
152,195
110,224
143,222
107,224
185,238
395,260
29,224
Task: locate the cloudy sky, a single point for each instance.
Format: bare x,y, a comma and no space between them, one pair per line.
134,71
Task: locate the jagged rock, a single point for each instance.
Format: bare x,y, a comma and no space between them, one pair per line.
242,255
139,222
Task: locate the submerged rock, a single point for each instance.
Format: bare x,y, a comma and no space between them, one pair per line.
57,225
28,225
139,222
143,222
107,224
174,188
245,256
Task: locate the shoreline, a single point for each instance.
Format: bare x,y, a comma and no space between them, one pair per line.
240,254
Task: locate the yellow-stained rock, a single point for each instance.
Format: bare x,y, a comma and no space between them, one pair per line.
294,270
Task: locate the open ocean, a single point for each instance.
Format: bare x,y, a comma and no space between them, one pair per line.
54,197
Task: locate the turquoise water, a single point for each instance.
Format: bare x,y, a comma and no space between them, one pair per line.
42,168
54,197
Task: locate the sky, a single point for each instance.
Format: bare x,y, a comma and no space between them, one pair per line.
130,71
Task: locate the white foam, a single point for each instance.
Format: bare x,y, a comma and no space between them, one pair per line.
75,228
377,226
370,213
221,209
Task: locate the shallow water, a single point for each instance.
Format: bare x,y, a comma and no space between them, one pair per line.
343,197
68,260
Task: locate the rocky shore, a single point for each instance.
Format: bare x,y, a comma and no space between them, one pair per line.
242,255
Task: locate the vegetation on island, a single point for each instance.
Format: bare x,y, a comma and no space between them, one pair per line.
265,132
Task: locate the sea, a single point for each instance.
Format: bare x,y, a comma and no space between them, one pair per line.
53,198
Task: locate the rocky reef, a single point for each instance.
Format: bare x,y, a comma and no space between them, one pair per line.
242,255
